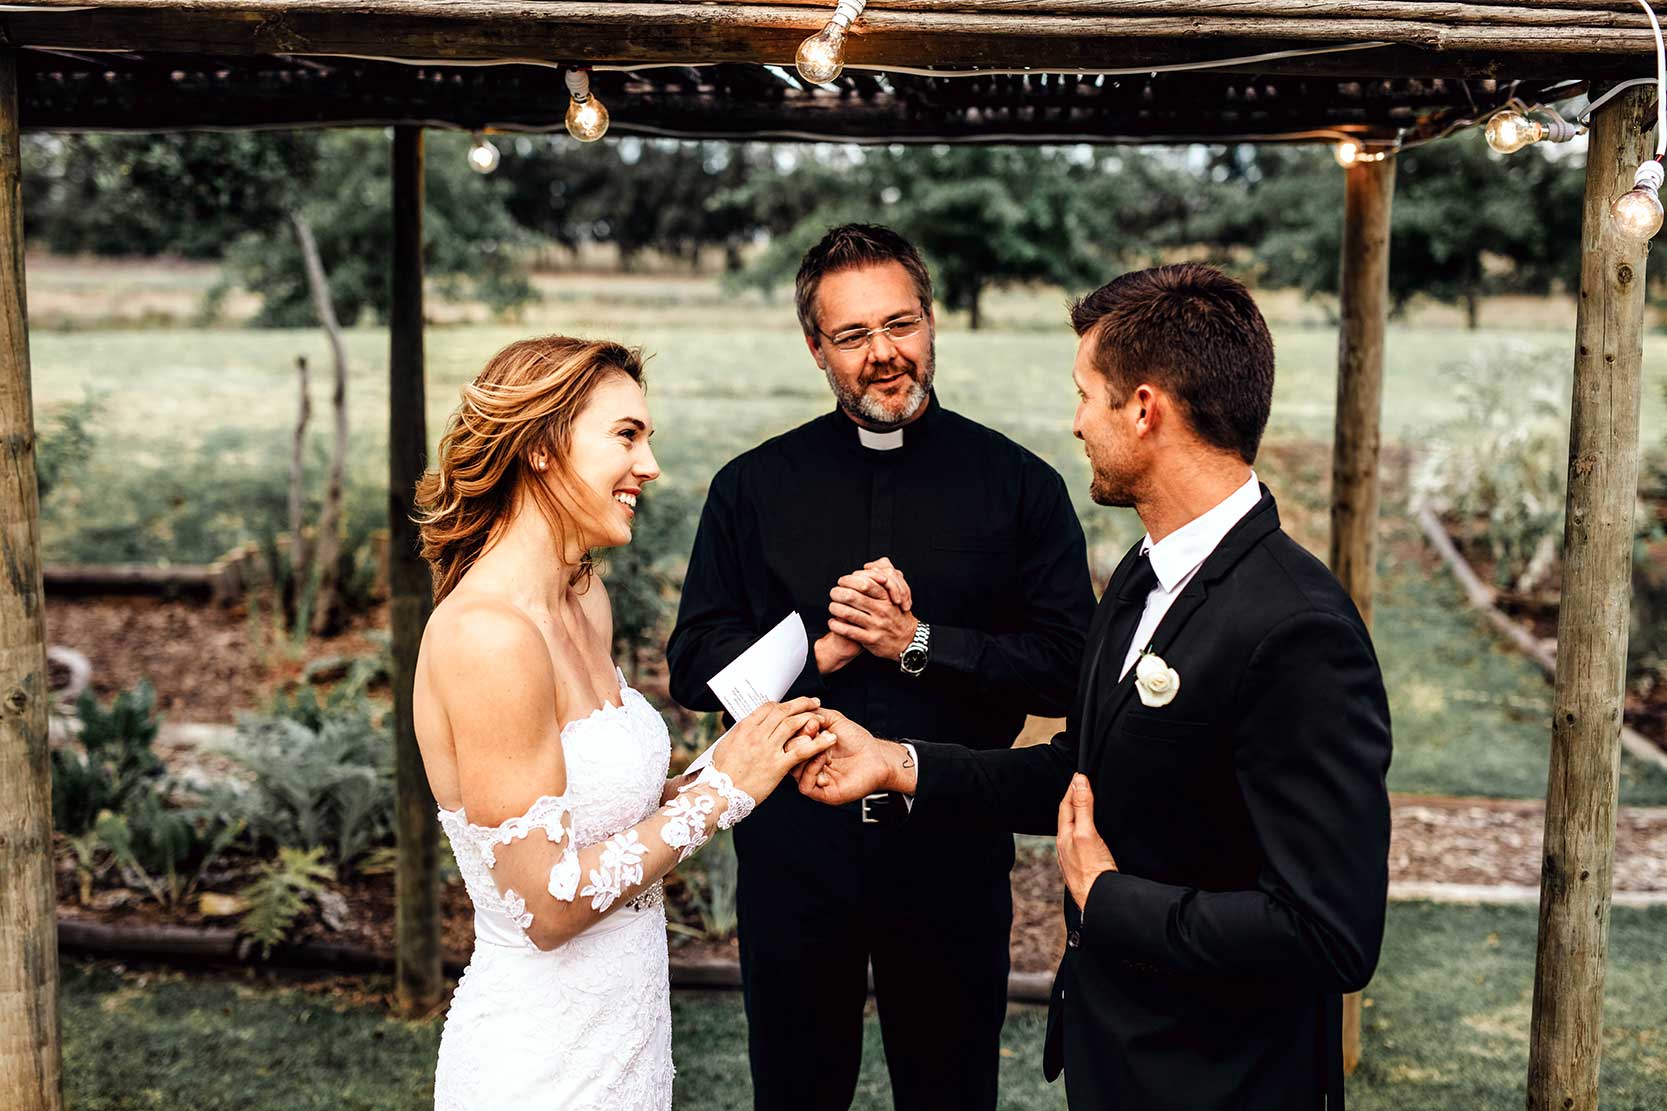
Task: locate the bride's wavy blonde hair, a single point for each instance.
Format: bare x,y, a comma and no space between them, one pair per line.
525,399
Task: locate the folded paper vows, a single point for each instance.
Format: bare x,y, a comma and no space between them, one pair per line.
763,672
760,674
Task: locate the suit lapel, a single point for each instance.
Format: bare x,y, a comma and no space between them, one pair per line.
1088,678
1245,535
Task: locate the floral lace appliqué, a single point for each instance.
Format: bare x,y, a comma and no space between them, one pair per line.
685,828
619,868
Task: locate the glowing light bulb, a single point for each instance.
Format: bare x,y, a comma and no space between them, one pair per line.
483,156
1509,131
587,118
821,57
1638,212
1347,153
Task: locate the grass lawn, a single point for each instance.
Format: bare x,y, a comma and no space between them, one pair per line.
180,404
1446,1028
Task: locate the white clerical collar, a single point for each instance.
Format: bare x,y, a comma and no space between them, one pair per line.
1183,551
880,441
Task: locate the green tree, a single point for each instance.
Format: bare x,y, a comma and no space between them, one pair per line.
469,240
985,217
1466,223
638,194
185,193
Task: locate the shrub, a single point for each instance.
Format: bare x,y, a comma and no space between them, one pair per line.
645,575
111,800
164,850
1501,462
112,763
65,443
322,779
279,893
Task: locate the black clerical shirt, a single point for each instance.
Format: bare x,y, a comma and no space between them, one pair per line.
983,530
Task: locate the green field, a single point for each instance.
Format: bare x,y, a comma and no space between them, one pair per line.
1446,1027
192,442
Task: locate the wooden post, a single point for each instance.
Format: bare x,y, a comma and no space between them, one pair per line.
1369,188
418,973
1565,1040
30,1062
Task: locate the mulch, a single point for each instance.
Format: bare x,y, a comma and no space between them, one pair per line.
207,662
1435,840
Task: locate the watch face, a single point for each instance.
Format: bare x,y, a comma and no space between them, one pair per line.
913,658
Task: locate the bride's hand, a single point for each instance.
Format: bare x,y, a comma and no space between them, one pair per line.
767,744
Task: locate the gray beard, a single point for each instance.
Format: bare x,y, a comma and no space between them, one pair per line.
873,411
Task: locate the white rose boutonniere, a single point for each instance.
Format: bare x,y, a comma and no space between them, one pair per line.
1155,681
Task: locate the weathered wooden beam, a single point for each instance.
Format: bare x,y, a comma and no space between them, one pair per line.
534,98
1458,12
30,1059
1566,1035
418,976
1368,192
611,31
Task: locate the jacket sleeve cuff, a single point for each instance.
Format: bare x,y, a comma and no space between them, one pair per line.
955,648
1127,915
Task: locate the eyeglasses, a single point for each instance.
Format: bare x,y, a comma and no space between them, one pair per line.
858,338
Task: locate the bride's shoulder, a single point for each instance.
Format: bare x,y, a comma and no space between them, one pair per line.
471,631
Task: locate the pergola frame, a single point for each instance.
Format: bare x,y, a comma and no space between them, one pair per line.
1381,71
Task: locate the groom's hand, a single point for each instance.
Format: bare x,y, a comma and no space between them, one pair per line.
858,764
1083,856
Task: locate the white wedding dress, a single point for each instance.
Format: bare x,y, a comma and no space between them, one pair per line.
586,1025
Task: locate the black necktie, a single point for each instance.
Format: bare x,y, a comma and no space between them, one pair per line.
1128,606
1131,604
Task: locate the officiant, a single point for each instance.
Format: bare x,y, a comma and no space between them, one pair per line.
942,577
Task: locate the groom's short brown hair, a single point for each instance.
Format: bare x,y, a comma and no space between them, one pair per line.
1194,332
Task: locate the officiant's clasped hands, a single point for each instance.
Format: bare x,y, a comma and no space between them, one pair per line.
872,610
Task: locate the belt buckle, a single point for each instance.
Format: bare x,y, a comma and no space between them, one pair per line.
866,799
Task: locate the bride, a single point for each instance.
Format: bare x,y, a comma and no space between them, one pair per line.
550,772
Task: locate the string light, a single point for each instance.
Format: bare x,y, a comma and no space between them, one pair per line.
1637,212
1509,130
1348,152
483,156
587,118
821,57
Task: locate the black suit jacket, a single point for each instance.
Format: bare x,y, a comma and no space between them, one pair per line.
1250,823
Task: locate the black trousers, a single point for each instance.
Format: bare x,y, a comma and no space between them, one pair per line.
821,895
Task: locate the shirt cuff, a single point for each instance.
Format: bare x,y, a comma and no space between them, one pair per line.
914,758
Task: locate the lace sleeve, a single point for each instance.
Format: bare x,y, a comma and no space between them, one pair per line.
552,889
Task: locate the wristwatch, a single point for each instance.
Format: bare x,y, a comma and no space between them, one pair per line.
914,657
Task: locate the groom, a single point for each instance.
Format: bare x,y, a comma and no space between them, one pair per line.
1218,793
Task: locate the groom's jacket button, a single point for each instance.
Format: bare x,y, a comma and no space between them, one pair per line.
1073,940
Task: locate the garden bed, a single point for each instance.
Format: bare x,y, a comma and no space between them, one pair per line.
1535,612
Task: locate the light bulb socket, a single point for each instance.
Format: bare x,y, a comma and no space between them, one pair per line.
846,13
578,84
1650,176
1557,129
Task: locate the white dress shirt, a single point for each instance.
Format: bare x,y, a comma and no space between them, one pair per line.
1177,557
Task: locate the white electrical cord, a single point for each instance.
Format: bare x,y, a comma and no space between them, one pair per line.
1179,67
1660,82
1586,115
